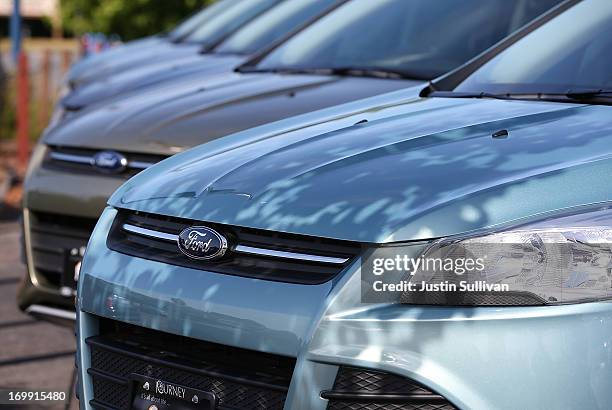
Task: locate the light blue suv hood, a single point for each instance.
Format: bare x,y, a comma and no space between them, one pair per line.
433,170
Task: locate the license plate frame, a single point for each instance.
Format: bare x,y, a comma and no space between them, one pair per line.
148,393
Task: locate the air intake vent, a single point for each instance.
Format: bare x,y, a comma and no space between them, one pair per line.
239,378
361,389
252,252
57,244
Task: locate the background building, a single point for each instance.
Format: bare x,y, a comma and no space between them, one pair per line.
41,18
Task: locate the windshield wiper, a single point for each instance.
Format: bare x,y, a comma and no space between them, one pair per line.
586,96
459,94
283,70
375,72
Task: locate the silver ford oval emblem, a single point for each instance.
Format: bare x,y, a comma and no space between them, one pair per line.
200,242
110,161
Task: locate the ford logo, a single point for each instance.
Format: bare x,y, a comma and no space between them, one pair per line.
110,161
200,242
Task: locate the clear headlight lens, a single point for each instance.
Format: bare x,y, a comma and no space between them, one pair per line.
64,90
36,159
565,260
58,115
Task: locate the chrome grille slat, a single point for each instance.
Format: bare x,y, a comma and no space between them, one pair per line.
89,160
139,164
58,156
73,159
290,255
242,248
150,233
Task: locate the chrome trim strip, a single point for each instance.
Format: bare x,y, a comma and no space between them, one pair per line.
80,159
242,248
139,164
290,255
150,233
49,311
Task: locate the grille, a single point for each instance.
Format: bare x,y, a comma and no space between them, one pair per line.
233,262
360,389
57,244
348,405
240,378
79,160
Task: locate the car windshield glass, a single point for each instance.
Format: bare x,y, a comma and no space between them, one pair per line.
273,25
420,38
228,21
199,18
571,54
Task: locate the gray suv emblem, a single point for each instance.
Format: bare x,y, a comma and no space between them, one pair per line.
110,161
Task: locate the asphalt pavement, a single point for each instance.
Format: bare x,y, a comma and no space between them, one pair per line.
34,355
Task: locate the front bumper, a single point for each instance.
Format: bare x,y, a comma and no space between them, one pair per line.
476,358
46,304
45,294
69,203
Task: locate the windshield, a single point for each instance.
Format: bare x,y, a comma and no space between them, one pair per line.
199,18
273,25
419,38
228,21
570,53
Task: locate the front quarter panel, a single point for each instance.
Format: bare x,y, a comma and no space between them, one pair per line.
553,357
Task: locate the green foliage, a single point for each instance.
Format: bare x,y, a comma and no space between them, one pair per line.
8,113
129,19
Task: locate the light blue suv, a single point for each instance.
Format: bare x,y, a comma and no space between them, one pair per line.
242,274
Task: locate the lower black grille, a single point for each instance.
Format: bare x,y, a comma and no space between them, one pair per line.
240,378
57,244
361,389
234,263
356,405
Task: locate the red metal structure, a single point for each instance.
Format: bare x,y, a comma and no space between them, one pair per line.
23,124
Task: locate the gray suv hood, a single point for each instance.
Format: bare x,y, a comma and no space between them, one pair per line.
189,112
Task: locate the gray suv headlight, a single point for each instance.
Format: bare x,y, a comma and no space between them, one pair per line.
58,115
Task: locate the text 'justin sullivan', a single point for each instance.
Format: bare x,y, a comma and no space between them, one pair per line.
445,286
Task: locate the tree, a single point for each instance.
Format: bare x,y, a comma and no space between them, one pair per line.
129,19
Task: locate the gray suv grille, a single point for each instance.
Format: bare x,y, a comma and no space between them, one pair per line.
74,159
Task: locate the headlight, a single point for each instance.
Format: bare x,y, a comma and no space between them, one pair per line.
557,261
64,90
36,159
58,115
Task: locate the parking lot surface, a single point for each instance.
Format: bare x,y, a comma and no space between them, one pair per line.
34,355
